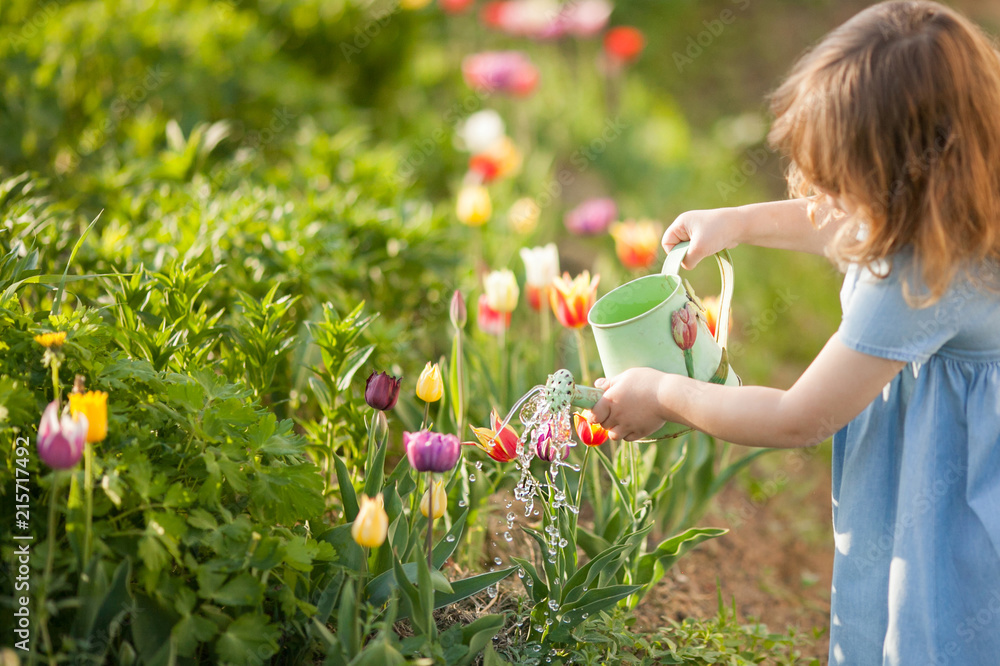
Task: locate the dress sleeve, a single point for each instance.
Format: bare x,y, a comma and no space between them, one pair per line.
879,322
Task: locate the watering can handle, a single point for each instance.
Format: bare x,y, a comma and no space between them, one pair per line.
673,264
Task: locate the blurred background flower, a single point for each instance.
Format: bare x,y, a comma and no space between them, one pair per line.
636,243
593,216
541,267
509,72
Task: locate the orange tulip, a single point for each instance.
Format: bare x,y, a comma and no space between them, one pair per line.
499,444
711,304
590,432
636,243
571,300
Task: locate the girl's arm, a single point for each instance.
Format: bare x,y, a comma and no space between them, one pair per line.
783,225
834,389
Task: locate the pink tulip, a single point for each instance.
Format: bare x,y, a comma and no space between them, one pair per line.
593,216
508,72
61,439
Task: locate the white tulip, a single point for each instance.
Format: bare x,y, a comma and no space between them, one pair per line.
541,264
481,130
501,290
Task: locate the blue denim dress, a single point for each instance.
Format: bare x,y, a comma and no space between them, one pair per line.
916,482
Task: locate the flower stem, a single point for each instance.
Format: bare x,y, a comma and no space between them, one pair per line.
427,410
88,488
503,360
56,386
546,339
49,559
461,382
430,520
635,477
579,488
581,348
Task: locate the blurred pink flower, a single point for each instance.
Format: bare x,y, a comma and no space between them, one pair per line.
586,17
61,437
546,19
508,72
593,216
489,320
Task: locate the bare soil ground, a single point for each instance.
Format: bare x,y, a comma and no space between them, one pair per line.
777,558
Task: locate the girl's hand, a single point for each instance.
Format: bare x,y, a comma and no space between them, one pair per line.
708,230
631,407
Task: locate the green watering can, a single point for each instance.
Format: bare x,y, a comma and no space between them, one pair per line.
654,322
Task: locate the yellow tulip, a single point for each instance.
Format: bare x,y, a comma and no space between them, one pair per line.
372,524
93,405
440,500
430,386
474,207
523,215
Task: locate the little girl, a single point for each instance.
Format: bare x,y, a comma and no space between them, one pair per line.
892,127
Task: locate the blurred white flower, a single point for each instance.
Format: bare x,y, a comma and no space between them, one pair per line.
481,130
501,290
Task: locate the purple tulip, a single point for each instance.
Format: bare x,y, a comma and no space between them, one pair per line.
61,440
593,216
545,447
382,390
430,451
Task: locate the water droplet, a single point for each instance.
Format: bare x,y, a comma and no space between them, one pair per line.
492,591
479,464
511,517
450,538
472,477
497,561
554,604
520,572
584,616
563,543
508,537
462,503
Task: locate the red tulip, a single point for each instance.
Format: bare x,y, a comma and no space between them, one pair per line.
571,300
455,6
589,432
499,444
624,44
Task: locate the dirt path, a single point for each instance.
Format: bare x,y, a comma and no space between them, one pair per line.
777,558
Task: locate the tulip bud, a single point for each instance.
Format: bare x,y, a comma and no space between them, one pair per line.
382,391
457,311
372,523
431,451
48,340
93,405
684,325
440,500
430,386
61,439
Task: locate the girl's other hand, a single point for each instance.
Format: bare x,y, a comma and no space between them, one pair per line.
708,230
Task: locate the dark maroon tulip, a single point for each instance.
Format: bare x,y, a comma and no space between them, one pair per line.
430,451
382,390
